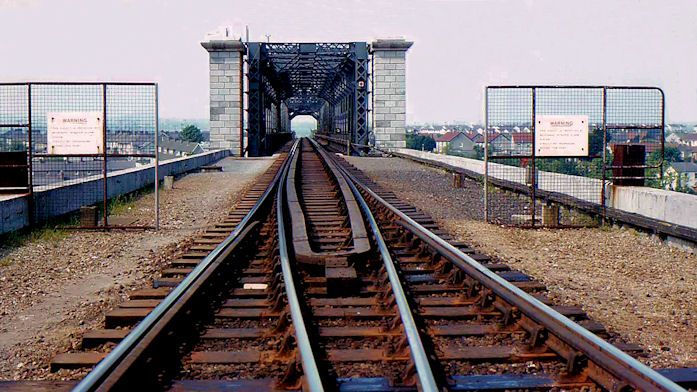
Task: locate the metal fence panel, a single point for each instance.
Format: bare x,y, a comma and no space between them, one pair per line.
129,111
526,189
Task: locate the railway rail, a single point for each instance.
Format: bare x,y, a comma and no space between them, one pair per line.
322,280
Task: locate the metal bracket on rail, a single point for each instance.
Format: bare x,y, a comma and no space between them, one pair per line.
293,377
510,313
409,376
288,343
457,276
444,266
574,358
276,291
486,298
538,333
283,322
279,304
396,323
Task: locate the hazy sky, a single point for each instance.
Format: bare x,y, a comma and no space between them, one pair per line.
460,45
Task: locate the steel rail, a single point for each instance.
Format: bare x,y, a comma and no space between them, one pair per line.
608,357
303,251
96,379
307,357
418,353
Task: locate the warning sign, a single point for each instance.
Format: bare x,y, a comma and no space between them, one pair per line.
75,133
561,136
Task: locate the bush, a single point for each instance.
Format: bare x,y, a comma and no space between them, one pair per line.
419,142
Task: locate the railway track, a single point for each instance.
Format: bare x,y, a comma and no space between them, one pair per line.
321,280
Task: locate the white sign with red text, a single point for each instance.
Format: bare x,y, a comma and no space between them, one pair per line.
561,136
75,133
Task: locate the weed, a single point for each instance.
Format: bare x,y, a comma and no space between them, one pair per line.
6,261
120,204
123,203
48,233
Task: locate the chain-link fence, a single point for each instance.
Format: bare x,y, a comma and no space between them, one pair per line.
75,137
550,149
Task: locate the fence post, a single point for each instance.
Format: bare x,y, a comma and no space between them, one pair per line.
533,180
30,153
157,158
104,167
486,155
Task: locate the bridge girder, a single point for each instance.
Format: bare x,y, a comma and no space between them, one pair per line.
327,81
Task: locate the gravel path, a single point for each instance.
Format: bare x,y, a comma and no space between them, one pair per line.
637,286
53,289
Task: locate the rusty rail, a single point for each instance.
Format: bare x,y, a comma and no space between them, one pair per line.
112,371
303,251
307,356
609,366
418,353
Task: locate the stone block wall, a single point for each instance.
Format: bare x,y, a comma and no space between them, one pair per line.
389,93
226,62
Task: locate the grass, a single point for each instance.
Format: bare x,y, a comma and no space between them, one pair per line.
59,228
49,233
120,204
124,203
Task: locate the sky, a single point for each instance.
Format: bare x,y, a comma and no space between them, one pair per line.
460,46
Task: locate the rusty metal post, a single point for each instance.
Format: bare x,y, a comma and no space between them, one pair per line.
533,179
104,166
603,192
157,157
486,155
30,156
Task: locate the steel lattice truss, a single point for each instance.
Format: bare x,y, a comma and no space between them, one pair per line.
308,77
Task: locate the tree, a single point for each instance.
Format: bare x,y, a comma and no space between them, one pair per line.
191,133
670,155
419,142
596,143
479,152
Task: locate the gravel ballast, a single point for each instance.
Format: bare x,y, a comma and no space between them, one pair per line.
57,286
639,287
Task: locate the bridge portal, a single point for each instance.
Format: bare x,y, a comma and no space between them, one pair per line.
356,91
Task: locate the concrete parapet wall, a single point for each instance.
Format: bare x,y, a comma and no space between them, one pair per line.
52,201
13,213
667,206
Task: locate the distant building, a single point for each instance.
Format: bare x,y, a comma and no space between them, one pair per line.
683,138
455,143
498,142
688,153
673,138
521,143
170,148
690,139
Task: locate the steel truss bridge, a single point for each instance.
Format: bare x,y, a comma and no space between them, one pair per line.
328,81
